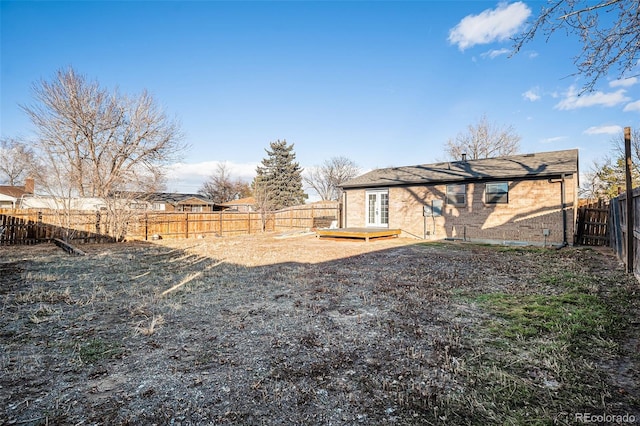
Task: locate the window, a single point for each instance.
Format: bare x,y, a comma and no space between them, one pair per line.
457,194
193,208
158,206
497,193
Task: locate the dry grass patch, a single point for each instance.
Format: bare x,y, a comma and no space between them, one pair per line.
261,330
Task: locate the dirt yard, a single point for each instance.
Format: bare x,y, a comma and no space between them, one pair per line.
292,330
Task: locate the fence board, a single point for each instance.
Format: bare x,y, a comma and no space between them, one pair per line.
618,234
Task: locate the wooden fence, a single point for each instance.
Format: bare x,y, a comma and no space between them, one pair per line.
592,225
619,228
31,226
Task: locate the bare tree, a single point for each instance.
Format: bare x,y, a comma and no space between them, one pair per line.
618,146
609,31
220,187
264,199
327,178
483,140
96,143
17,161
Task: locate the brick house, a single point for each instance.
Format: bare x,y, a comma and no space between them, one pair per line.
170,202
527,199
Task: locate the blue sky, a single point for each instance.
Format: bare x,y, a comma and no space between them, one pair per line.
384,83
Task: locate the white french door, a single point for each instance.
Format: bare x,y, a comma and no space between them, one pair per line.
377,205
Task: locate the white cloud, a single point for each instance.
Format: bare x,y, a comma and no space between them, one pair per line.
624,82
489,26
603,130
573,100
532,94
494,53
633,106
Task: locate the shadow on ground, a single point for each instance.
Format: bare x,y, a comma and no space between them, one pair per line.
140,333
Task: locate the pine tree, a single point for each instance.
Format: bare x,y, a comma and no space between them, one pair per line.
280,176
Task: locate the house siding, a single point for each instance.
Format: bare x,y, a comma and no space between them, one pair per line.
534,205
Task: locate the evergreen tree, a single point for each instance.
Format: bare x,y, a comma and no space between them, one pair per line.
280,176
606,178
611,178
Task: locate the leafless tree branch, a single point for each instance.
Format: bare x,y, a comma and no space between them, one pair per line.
94,143
327,178
609,32
483,140
17,161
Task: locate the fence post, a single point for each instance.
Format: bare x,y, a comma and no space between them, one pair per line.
312,217
186,225
629,191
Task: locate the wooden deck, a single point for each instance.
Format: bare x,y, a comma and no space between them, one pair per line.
359,233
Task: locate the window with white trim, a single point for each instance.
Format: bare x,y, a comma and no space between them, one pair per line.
496,193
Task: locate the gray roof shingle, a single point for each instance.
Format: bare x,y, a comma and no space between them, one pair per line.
541,164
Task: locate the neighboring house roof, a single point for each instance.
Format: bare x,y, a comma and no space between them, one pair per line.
541,164
13,191
176,198
173,198
18,191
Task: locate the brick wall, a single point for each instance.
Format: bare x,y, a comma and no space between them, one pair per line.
354,209
534,205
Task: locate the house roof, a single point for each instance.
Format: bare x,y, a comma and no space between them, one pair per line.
173,198
541,164
177,198
13,191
